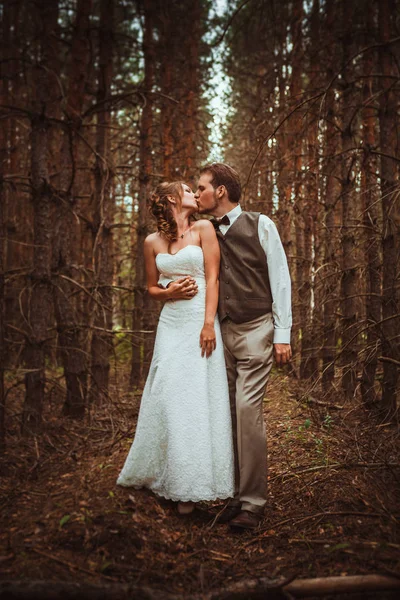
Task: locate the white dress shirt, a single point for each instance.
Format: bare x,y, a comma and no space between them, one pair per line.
278,271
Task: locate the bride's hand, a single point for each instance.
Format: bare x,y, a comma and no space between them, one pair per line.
208,342
184,288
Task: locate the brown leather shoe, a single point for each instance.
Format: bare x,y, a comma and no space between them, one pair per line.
229,513
245,520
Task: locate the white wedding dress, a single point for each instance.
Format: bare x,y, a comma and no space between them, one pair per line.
183,443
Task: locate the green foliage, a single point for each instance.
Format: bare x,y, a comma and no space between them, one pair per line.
105,565
123,347
304,434
327,422
340,546
319,445
64,520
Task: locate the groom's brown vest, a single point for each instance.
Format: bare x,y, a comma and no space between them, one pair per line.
244,288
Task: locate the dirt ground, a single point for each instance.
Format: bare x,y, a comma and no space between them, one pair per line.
333,500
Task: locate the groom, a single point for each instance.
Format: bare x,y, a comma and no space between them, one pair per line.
255,315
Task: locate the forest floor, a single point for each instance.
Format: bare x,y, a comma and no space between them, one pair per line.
333,500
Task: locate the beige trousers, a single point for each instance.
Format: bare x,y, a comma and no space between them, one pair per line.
248,355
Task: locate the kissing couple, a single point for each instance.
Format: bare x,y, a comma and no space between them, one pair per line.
226,291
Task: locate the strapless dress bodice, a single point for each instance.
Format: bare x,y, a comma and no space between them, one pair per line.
187,261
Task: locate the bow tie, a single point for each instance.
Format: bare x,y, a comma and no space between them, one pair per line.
217,222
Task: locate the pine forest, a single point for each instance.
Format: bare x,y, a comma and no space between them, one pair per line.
100,101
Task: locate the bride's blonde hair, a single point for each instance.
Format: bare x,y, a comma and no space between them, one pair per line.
161,207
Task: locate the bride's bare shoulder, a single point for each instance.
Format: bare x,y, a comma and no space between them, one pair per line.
152,238
202,224
153,241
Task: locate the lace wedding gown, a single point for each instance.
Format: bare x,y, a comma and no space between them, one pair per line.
183,443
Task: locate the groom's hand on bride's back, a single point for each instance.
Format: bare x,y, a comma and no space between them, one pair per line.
184,288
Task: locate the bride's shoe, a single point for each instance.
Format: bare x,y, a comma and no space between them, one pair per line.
186,508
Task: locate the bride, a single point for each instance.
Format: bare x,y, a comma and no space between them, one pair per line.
183,443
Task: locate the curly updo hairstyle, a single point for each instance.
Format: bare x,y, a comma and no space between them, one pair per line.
161,208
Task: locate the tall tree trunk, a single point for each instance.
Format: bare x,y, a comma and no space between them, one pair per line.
167,44
143,312
307,199
82,243
371,223
266,203
2,298
191,100
350,212
308,337
70,339
4,145
180,81
3,163
18,223
104,213
391,214
40,301
312,249
294,189
331,270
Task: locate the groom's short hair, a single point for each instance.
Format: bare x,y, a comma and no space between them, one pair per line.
223,174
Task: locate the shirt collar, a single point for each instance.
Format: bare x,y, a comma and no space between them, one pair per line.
234,213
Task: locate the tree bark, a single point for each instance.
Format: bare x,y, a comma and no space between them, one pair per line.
371,222
2,311
180,82
4,145
144,309
192,95
250,589
332,194
167,44
40,303
19,214
391,214
70,338
294,190
309,305
349,229
102,342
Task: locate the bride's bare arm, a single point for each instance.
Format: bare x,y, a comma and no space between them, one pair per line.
211,252
181,289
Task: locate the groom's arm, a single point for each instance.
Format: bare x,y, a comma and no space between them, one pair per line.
279,279
164,281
